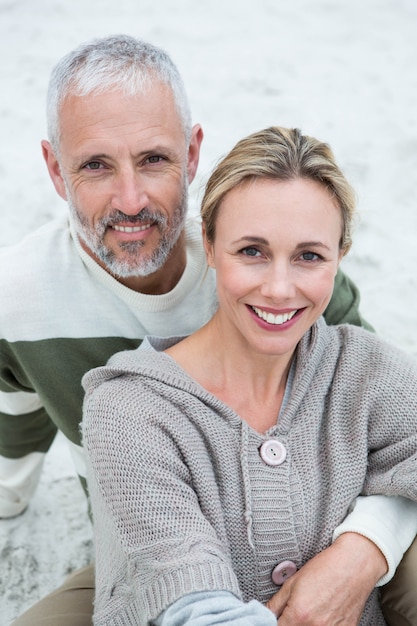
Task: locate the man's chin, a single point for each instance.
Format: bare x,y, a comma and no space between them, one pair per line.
121,269
129,259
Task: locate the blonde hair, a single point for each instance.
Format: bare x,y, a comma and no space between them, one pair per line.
281,154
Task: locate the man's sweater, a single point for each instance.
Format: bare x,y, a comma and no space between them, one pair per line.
183,500
61,315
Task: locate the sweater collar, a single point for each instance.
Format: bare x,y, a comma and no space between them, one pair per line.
195,270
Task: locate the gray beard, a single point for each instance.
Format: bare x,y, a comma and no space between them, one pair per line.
132,263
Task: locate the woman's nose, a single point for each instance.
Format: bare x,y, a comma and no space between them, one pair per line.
279,283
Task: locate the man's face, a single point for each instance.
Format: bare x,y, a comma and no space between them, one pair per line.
124,168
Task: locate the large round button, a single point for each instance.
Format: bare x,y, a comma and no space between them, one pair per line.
273,452
283,571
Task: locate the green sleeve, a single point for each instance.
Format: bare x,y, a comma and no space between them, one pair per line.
343,308
23,429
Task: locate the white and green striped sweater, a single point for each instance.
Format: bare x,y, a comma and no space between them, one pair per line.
62,314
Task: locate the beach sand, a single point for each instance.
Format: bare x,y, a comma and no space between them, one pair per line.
342,71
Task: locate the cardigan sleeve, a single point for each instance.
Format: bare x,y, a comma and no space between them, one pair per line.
392,425
140,485
391,392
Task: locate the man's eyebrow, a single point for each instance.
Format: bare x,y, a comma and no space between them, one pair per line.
152,150
159,149
93,157
81,159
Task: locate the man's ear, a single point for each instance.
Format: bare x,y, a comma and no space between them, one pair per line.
194,151
54,168
208,247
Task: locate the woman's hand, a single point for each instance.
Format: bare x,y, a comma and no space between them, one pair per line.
332,588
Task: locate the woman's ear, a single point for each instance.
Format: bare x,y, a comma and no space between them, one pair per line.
342,253
208,247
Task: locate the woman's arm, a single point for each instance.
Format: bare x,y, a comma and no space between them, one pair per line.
215,607
151,531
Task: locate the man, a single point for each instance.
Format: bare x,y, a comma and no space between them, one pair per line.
122,151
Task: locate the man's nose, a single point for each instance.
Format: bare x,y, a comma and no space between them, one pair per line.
129,194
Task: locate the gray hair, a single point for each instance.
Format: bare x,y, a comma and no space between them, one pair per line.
118,62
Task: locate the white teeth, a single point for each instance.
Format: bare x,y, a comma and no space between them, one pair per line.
130,229
274,319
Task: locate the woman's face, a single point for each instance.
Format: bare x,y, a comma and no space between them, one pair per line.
276,254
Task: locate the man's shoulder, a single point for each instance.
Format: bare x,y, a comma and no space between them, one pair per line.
43,246
33,274
344,304
193,231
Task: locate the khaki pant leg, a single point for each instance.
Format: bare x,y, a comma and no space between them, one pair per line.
399,596
69,605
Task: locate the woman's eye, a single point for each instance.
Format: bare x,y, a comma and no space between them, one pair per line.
249,251
310,256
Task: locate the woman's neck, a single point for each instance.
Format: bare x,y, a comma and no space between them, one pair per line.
251,383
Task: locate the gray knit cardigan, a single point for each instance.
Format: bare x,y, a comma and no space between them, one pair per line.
182,500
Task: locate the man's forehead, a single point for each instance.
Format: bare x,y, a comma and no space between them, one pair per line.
150,116
157,97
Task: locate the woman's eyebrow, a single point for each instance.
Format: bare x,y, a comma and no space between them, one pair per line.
251,239
312,244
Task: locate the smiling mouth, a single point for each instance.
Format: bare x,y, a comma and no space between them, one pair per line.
131,229
270,318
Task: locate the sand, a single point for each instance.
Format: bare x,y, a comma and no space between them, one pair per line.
343,71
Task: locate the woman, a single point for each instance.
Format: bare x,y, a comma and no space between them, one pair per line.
222,462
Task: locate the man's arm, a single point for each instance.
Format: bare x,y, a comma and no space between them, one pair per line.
25,436
390,522
26,433
343,308
333,587
18,481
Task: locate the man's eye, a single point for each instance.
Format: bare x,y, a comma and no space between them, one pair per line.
93,165
155,159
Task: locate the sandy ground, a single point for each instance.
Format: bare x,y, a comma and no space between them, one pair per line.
342,70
